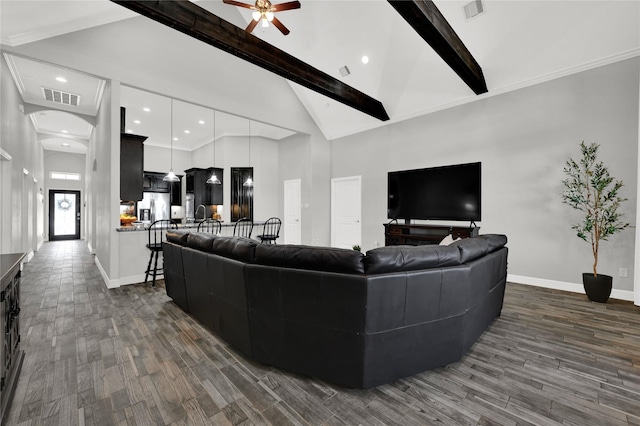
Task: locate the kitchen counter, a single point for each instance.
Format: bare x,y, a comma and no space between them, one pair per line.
225,227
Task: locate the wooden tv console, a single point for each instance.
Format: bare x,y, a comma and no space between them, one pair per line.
414,235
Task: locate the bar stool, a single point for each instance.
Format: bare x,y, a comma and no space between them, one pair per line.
243,228
271,231
211,226
157,234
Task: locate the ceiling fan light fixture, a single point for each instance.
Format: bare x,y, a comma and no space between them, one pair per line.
256,15
269,16
265,23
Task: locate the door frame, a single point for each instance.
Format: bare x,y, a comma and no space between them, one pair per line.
335,181
77,194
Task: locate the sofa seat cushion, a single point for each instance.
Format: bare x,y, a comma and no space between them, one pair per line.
473,248
237,248
177,236
325,259
410,258
200,241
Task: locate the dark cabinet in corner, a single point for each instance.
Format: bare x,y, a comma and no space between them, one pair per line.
10,352
204,193
153,182
131,166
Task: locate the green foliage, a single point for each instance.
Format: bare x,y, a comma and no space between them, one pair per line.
590,189
356,247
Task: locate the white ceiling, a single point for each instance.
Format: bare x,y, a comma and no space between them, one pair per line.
517,43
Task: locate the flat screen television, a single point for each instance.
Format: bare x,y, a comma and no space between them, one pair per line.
436,193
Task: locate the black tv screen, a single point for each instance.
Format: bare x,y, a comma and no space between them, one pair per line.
436,193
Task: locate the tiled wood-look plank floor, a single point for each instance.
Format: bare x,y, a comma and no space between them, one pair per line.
129,356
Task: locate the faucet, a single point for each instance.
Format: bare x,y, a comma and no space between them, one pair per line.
204,212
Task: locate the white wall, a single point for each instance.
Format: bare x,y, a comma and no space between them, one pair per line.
21,197
523,139
56,161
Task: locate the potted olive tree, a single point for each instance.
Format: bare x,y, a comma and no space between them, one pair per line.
590,189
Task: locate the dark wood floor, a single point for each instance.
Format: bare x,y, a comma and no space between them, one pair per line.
129,356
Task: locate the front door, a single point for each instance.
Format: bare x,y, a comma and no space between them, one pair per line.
345,212
64,215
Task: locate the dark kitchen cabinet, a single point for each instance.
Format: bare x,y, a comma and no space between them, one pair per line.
176,192
153,182
204,193
10,353
131,166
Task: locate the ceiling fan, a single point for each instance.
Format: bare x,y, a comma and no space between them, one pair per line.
264,10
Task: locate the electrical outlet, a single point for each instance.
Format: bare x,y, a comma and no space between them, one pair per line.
623,272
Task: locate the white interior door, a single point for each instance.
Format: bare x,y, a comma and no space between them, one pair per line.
345,212
292,212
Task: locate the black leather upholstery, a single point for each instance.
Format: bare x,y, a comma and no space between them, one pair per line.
410,258
335,314
473,248
177,236
200,241
326,259
238,248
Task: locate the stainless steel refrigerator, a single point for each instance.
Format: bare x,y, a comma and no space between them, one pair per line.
158,204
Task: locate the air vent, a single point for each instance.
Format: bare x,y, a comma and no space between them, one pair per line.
473,9
60,97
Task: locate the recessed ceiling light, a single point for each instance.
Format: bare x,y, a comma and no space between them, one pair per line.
61,79
136,121
66,144
175,139
129,131
64,131
201,122
365,59
145,109
187,132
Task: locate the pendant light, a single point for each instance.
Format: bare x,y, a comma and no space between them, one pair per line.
171,177
213,180
249,181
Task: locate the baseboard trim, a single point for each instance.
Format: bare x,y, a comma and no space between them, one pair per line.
133,279
108,282
28,257
91,250
565,286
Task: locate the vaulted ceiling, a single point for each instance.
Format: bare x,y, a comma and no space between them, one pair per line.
516,43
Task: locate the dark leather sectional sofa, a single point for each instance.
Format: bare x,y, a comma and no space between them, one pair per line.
338,315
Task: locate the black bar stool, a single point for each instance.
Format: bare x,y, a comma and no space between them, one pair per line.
211,226
243,228
271,231
157,234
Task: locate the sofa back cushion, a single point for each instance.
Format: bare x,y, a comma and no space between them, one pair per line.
326,259
177,236
473,248
200,241
410,258
237,248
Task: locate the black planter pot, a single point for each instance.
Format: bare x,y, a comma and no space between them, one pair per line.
598,288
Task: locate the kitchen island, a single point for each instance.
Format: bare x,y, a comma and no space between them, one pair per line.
134,254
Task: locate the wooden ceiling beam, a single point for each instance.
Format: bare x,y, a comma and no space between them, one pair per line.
426,19
194,21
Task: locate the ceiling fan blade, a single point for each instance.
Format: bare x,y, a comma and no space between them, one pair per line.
285,6
239,4
251,25
279,25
